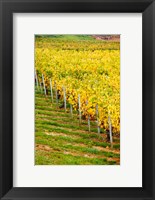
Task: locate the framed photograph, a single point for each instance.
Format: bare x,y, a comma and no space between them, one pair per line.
77,99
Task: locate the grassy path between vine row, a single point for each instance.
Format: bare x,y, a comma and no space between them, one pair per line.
59,140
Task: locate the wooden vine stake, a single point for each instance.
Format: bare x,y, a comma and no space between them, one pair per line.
36,77
71,110
88,119
51,90
110,131
97,116
64,91
56,94
79,103
44,84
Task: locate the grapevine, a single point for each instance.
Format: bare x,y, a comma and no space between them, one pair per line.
90,69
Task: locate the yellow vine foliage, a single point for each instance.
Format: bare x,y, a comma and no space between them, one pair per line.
91,69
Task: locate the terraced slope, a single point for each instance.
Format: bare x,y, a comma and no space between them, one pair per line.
60,140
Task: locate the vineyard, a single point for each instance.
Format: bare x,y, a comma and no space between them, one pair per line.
77,100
